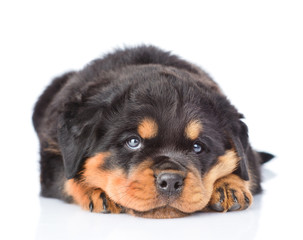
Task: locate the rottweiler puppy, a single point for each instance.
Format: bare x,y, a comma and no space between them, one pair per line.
144,132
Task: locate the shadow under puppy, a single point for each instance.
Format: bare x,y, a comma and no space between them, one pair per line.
142,131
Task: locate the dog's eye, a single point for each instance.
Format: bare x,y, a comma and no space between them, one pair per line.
198,148
133,143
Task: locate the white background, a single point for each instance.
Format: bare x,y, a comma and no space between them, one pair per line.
253,49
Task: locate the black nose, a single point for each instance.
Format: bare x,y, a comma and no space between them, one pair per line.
169,183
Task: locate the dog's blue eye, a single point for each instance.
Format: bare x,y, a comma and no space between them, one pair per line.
133,143
198,148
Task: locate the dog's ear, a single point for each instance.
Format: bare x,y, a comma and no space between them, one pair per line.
74,137
239,138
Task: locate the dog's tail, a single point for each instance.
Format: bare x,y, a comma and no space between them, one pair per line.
265,157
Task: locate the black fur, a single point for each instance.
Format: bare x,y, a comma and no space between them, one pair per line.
98,108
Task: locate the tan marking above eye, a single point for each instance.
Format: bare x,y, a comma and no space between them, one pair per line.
148,128
193,129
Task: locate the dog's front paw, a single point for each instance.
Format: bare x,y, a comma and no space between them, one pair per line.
92,199
230,193
99,202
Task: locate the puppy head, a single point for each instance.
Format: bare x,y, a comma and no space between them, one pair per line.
155,143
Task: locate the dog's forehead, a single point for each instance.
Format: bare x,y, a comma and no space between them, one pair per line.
166,105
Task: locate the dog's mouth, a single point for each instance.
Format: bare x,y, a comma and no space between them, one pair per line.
160,212
141,194
142,198
168,207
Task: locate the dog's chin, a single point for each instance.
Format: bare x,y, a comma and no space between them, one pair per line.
161,212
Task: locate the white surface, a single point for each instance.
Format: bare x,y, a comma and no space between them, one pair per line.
253,50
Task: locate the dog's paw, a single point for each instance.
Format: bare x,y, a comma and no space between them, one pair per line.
89,198
230,193
99,202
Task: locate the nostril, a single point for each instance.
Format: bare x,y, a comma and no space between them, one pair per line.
163,184
178,185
